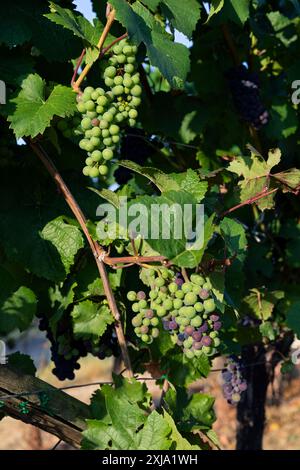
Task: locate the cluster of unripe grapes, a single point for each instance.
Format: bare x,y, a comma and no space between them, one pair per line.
187,310
145,321
234,383
105,111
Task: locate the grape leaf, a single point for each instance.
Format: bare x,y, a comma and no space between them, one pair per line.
191,183
256,176
22,363
60,299
215,7
154,434
234,237
261,304
67,239
190,412
17,310
180,442
289,179
238,10
34,112
25,23
90,319
163,181
179,14
152,4
78,24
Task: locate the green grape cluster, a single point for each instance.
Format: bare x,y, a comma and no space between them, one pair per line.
187,310
145,321
105,111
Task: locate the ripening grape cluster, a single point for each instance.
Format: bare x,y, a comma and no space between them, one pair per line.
244,86
187,310
105,111
67,350
145,321
234,383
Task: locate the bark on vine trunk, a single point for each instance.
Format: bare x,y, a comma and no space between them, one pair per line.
259,373
251,410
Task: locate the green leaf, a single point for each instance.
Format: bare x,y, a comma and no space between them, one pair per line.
215,7
171,216
293,317
78,24
261,304
183,371
152,4
90,319
267,330
238,10
234,237
22,363
190,258
171,58
163,181
191,413
96,436
67,239
290,179
180,442
17,310
154,434
191,183
256,176
108,195
34,112
61,299
183,15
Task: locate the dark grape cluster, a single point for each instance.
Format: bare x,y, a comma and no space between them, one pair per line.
67,350
245,91
64,356
187,310
234,383
105,111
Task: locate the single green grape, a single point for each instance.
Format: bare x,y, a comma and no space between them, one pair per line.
107,154
96,156
94,172
131,295
110,72
103,170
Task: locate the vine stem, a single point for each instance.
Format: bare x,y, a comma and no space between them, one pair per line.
110,19
79,62
250,201
97,250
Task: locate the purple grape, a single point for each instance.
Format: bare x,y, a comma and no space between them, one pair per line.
197,335
226,375
206,341
173,325
227,388
204,294
144,329
149,313
181,337
214,317
165,324
203,328
189,330
217,325
197,345
141,295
